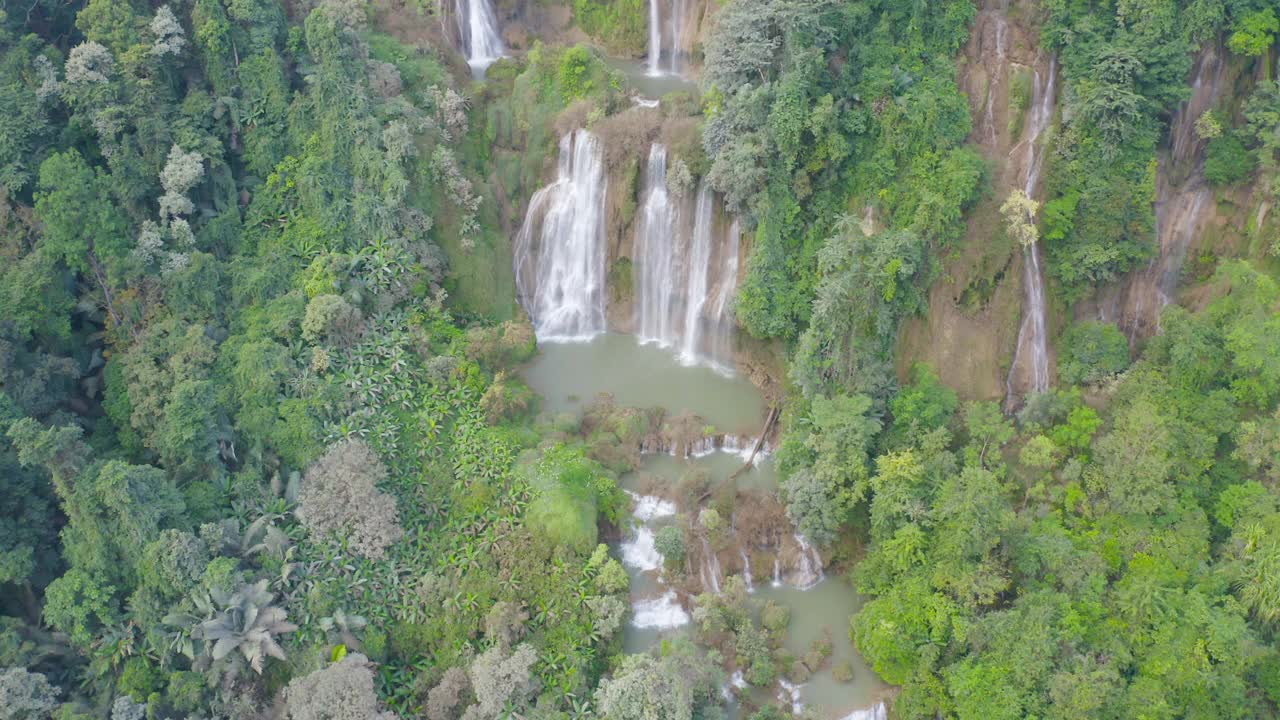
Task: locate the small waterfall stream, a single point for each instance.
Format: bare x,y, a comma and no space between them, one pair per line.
723,323
666,37
699,265
809,571
1031,358
1183,201
657,259
994,22
560,249
655,38
478,32
686,271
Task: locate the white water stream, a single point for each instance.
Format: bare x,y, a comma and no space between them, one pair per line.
560,249
478,31
685,255
1183,203
656,256
686,272
1033,346
666,37
699,266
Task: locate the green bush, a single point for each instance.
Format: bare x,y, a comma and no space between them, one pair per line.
621,25
569,490
138,679
1227,161
1091,352
572,73
186,691
670,542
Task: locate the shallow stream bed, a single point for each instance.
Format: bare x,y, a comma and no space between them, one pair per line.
570,375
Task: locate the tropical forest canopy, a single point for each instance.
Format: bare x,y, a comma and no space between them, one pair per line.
265,450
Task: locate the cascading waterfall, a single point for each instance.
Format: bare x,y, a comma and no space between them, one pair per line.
655,38
657,260
666,38
1032,345
809,570
699,265
723,324
661,612
875,712
685,278
1181,205
478,31
998,20
560,249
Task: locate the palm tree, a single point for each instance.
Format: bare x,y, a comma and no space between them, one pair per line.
243,624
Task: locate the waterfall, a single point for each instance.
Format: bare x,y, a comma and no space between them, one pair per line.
789,693
478,30
875,712
639,551
1183,199
722,318
809,570
656,257
746,571
699,265
661,613
1032,335
1001,22
679,8
666,45
685,277
649,507
560,249
655,38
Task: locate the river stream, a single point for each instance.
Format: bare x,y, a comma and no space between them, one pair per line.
568,376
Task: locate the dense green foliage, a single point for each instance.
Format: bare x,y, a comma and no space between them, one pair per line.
243,429
1122,73
1091,352
798,148
622,25
263,443
1116,572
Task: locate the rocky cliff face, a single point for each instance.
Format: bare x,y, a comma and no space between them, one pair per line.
1188,216
971,331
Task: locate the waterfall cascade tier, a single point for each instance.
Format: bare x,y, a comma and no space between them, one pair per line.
699,267
481,42
667,36
560,249
655,256
992,34
686,271
1184,202
1031,357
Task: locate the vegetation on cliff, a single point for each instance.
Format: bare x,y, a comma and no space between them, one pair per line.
263,444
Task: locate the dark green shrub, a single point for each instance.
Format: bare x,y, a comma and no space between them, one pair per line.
621,25
1091,352
1227,161
670,542
138,679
